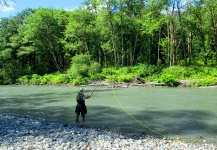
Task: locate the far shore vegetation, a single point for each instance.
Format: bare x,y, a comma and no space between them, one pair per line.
83,71
117,41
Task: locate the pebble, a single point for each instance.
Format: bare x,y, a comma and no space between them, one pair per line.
25,132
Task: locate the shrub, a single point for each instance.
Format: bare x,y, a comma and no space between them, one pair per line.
125,78
209,81
81,66
178,72
124,70
213,72
47,78
60,78
24,79
78,70
97,76
191,71
144,70
35,79
108,71
81,59
94,68
43,80
169,80
111,78
79,81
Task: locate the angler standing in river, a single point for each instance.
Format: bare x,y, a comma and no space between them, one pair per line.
81,108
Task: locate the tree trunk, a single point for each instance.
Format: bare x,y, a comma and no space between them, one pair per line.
182,37
172,38
158,47
190,37
172,45
122,36
113,37
214,31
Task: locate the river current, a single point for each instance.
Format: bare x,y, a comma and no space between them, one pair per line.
186,113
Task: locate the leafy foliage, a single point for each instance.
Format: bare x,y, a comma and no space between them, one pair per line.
118,41
80,66
35,79
209,81
24,79
169,80
79,81
125,78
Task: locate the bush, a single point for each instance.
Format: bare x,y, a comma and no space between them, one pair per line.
111,78
209,81
108,71
35,79
169,80
144,70
124,70
81,59
54,79
79,81
125,78
78,70
47,79
24,79
178,72
94,68
96,77
60,78
82,67
43,80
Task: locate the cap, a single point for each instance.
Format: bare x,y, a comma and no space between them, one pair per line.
81,90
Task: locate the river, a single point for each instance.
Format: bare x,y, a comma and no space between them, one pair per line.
186,113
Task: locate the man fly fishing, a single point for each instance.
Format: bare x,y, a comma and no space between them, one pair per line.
81,107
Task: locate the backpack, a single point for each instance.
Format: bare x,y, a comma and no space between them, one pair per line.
79,97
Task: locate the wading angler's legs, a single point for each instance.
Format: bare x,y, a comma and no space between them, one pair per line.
76,118
83,117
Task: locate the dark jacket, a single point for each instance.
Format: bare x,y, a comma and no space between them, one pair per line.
80,107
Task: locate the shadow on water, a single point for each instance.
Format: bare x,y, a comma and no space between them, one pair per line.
187,124
169,123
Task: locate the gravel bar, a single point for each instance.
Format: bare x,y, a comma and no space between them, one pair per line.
27,133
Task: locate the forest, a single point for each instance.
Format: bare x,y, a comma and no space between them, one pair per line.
114,40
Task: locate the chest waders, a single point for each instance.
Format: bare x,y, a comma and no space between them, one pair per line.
80,108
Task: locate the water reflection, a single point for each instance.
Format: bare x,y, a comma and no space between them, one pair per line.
176,112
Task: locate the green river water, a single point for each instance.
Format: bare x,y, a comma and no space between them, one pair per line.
187,113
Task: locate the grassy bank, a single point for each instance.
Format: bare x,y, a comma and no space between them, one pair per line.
171,76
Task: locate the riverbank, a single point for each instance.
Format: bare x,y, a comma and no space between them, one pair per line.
26,132
137,83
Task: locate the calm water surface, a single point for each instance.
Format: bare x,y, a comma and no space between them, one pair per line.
189,113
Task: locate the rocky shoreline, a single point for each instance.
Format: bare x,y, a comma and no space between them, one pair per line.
183,83
125,85
25,132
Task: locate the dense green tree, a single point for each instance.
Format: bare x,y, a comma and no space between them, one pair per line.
153,24
78,33
211,9
42,34
9,38
111,32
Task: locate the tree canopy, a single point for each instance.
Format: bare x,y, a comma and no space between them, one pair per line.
113,33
